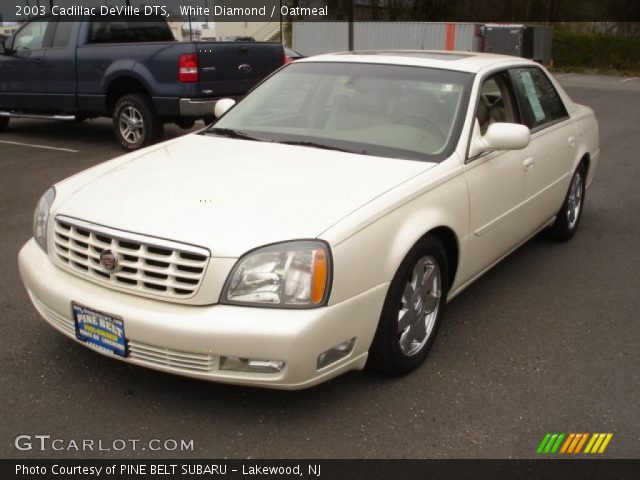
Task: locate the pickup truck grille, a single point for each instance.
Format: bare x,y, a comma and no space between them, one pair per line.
145,265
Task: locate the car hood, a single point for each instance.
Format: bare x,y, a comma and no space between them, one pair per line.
234,195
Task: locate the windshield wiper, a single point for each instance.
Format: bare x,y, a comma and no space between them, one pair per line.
231,133
306,143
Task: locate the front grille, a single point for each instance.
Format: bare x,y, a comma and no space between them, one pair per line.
146,265
165,357
145,354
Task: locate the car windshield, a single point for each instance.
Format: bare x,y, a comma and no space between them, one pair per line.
372,109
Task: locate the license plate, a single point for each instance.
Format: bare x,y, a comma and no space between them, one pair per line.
100,330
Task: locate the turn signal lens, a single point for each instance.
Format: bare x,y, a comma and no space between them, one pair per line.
319,275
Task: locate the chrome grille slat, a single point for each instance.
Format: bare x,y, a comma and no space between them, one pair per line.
172,358
148,265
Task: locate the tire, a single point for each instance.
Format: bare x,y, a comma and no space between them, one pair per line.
208,120
568,218
4,122
399,347
135,123
186,123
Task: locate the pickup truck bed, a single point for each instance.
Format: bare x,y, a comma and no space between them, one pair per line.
132,71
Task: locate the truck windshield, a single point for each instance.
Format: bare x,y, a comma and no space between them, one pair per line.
383,110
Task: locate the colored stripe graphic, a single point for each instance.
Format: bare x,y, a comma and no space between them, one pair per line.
568,442
598,443
543,443
550,443
573,443
581,443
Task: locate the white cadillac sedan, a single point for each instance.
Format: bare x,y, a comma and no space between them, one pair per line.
320,225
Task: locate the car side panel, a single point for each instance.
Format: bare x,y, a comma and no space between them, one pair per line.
154,65
60,72
588,139
368,253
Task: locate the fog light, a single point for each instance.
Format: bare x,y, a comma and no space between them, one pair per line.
238,364
336,353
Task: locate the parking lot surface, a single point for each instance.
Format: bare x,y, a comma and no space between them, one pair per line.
548,341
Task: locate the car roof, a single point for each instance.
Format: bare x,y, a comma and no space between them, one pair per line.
471,62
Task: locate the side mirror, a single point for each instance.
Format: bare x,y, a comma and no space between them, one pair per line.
223,106
500,136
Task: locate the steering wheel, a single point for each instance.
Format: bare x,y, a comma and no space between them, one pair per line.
422,122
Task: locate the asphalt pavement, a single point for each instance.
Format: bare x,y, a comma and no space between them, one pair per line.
547,341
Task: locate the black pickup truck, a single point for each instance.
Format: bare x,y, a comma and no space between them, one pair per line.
132,71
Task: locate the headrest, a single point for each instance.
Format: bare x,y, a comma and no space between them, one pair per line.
483,113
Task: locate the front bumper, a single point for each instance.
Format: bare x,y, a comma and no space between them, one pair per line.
189,340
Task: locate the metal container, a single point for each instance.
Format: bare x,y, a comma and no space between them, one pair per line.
313,38
527,41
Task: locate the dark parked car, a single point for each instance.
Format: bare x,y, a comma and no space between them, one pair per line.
134,72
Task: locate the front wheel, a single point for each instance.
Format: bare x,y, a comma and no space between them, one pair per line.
412,310
568,219
135,123
4,122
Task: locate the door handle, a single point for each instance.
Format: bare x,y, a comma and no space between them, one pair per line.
528,164
572,141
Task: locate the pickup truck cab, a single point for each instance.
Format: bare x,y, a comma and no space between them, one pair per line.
135,72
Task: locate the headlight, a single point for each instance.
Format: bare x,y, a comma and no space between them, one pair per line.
287,275
41,217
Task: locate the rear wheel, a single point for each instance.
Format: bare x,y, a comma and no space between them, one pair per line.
568,219
4,122
135,123
412,311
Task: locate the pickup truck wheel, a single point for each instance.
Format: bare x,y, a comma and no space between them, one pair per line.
135,123
4,121
568,218
412,310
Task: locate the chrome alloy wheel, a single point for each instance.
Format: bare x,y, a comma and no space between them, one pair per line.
574,202
420,305
131,125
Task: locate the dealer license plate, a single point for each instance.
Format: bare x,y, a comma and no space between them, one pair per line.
100,330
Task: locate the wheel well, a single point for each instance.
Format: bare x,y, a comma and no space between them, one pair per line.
586,159
450,243
122,86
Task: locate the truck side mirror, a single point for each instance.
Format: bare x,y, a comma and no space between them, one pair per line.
4,50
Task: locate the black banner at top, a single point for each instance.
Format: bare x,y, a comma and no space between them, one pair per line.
330,10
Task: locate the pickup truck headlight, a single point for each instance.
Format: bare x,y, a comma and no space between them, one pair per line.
41,217
286,275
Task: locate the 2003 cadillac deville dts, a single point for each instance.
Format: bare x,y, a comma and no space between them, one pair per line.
319,225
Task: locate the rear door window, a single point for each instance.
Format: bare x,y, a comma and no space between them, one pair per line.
540,102
127,30
61,37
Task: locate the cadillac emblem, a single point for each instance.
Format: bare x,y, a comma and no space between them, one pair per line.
108,261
